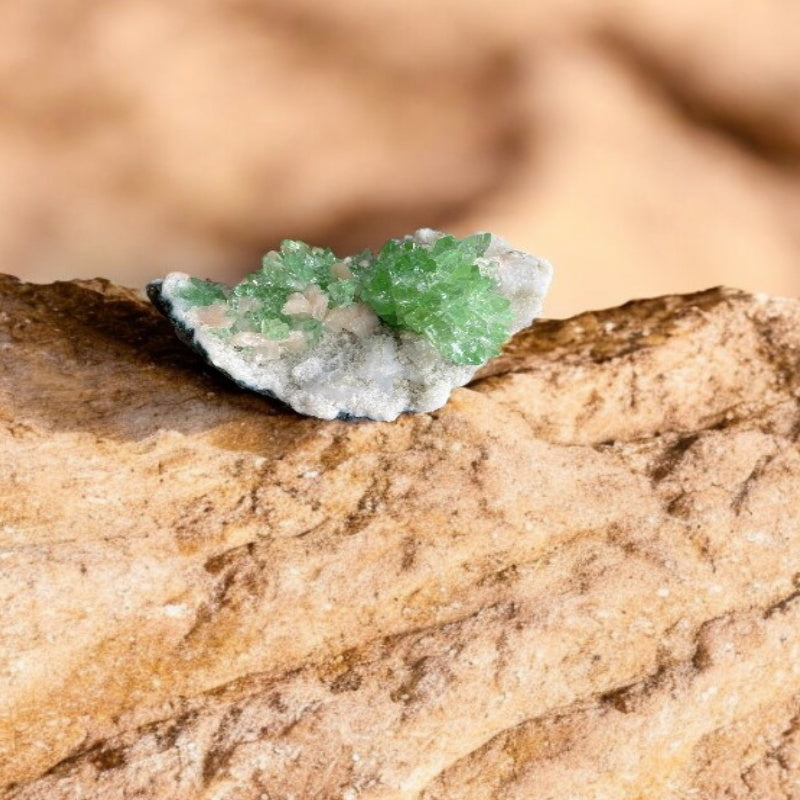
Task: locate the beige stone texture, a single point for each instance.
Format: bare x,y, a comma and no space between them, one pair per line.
579,580
644,147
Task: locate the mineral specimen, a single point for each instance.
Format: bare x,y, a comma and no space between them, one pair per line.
370,335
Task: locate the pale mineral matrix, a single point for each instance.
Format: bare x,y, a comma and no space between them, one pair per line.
370,335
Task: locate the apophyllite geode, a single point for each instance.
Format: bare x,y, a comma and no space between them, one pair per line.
370,335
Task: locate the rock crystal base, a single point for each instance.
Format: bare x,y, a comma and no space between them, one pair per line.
343,357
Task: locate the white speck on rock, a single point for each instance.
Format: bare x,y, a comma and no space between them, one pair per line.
708,693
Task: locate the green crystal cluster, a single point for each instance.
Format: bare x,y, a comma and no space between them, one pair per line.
440,293
255,304
436,291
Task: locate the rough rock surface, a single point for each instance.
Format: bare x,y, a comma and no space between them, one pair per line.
579,579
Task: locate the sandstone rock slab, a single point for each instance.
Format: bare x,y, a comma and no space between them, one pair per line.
580,578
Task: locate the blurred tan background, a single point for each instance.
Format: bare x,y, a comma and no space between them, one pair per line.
642,146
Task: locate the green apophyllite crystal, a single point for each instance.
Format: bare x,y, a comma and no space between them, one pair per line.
204,293
436,291
439,293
